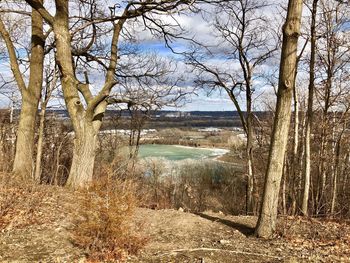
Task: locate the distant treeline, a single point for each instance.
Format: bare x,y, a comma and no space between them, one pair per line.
153,114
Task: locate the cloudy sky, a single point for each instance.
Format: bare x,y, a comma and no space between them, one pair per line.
197,26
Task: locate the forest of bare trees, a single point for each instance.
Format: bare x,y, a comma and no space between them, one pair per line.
289,61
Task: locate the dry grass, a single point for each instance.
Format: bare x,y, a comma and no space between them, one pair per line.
104,229
97,220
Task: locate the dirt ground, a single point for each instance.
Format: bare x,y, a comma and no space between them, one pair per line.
37,225
177,236
173,236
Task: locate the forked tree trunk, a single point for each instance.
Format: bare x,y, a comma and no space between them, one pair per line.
86,121
268,215
84,153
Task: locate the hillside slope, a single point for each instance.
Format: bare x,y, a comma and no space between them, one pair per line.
176,236
39,229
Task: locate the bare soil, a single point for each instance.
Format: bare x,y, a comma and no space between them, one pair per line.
177,236
35,225
42,233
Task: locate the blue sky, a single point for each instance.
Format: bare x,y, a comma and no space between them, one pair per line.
216,102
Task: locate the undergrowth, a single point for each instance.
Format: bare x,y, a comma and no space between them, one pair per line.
99,218
105,229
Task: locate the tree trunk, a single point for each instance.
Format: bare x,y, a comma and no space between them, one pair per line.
249,152
345,175
334,190
39,151
13,132
84,153
295,161
304,206
23,163
337,169
307,165
268,215
284,187
322,166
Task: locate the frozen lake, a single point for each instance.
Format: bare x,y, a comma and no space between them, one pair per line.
177,152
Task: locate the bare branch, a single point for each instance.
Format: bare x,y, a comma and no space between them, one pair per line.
13,57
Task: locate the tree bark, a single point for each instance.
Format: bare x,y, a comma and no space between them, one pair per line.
250,170
307,156
291,30
284,187
23,162
39,151
86,121
84,153
295,161
337,169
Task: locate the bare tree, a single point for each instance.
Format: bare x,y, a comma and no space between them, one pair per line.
334,57
23,163
87,116
49,87
307,138
246,39
268,215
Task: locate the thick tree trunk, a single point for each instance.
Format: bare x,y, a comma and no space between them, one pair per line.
268,216
23,164
84,154
86,121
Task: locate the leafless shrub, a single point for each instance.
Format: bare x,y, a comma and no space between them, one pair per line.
194,186
105,229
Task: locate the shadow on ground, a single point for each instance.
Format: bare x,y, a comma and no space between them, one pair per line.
244,229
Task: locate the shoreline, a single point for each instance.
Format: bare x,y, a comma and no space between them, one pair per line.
220,151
